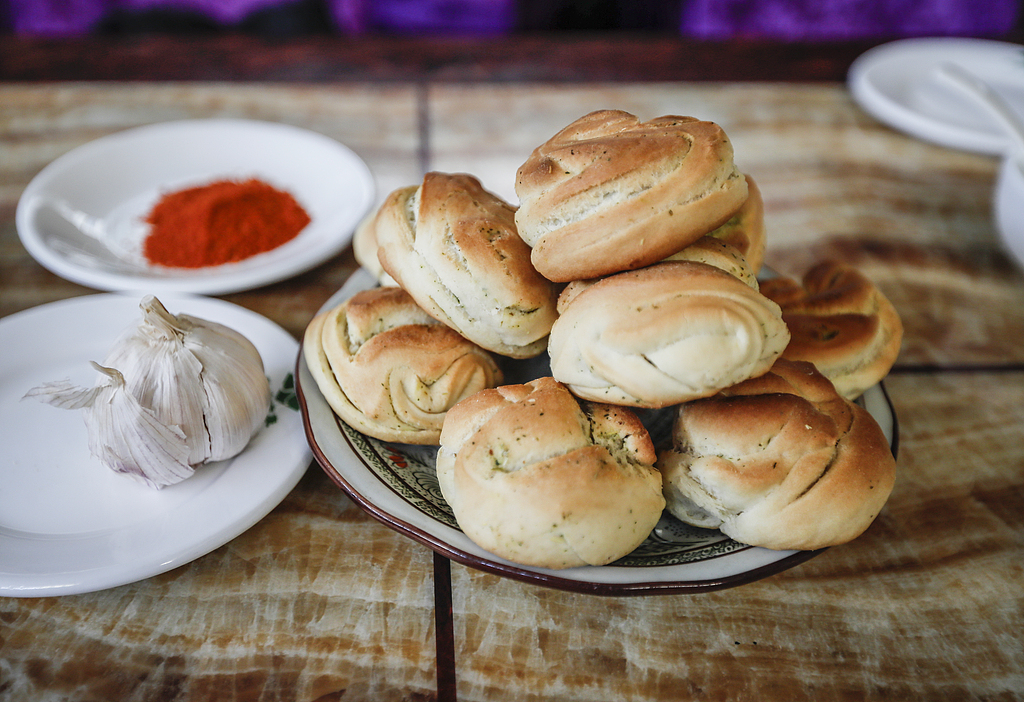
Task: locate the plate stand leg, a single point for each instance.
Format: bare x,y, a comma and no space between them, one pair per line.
444,629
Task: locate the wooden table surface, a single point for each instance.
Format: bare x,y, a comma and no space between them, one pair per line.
319,601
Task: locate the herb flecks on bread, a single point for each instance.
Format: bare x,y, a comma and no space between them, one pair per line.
541,478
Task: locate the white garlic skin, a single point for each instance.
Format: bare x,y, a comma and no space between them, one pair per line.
198,375
123,435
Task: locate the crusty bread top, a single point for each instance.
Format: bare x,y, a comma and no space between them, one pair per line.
609,193
389,369
536,476
540,420
664,334
780,461
841,322
454,247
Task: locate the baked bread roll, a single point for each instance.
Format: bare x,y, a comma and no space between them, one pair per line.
610,193
840,322
745,230
453,246
665,334
364,248
780,461
542,479
389,369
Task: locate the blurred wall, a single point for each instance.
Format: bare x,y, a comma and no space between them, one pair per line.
707,19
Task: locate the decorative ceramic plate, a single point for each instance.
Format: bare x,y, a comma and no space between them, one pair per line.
69,524
396,484
82,216
898,84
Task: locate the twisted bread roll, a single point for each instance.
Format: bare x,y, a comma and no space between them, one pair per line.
840,322
454,247
610,193
664,334
364,248
389,369
780,461
542,479
745,230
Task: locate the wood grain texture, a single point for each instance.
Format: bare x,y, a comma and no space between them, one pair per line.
318,601
306,605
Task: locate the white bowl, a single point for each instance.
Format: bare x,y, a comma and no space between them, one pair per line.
1009,205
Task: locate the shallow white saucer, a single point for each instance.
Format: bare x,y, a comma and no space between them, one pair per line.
112,183
68,524
897,83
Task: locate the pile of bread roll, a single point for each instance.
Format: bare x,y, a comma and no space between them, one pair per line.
632,261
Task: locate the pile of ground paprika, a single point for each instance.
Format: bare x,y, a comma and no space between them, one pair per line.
221,222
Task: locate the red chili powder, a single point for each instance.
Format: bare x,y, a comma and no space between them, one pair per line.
221,222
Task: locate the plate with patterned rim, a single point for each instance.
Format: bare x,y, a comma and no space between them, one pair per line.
396,484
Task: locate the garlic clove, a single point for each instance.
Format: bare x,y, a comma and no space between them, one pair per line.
125,436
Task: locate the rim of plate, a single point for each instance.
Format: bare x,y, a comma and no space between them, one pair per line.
875,101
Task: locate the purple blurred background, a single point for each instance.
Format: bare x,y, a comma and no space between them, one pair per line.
705,19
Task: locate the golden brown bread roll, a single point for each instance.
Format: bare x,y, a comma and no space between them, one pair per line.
389,369
840,322
453,246
780,461
364,248
540,478
609,193
745,230
664,334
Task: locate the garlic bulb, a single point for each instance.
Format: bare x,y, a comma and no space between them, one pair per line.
196,378
199,375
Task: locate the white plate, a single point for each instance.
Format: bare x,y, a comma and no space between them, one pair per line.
68,524
396,484
116,180
897,84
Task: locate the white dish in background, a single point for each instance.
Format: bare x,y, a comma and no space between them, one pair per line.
116,180
898,84
69,524
1009,206
397,485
